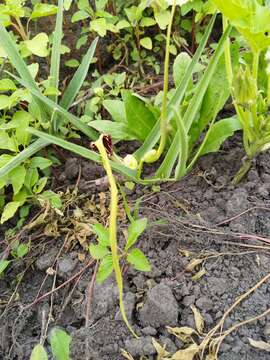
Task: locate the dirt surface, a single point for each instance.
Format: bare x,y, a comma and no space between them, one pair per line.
206,218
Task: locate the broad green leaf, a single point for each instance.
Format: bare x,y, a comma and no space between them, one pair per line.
163,18
39,353
40,162
118,131
38,45
10,210
105,269
7,142
135,229
42,9
4,102
72,63
180,66
60,343
139,118
102,234
99,25
250,18
7,85
98,251
3,265
22,250
146,42
138,260
79,15
17,177
116,108
219,132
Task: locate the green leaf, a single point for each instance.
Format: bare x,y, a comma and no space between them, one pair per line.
22,250
99,25
41,10
3,265
219,132
79,15
60,342
56,50
163,18
17,177
138,260
98,251
10,210
116,108
53,199
105,269
139,118
7,142
7,85
146,42
102,234
78,78
4,102
118,131
67,4
180,66
39,353
135,229
38,45
40,162
72,63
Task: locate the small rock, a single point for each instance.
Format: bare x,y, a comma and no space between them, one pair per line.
266,330
45,261
168,343
66,265
129,305
160,307
188,300
104,299
204,303
149,330
71,168
141,346
217,285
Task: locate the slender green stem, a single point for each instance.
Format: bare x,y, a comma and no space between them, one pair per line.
113,227
255,66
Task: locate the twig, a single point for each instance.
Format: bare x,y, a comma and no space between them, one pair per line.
90,295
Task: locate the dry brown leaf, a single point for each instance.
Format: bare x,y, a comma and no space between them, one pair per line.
185,253
186,354
211,357
127,355
199,274
183,333
199,320
195,262
52,229
259,344
160,350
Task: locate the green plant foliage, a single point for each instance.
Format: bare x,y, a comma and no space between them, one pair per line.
60,343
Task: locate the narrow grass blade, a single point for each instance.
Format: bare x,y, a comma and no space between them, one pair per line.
193,108
87,130
86,153
9,46
154,135
56,49
78,78
23,155
183,150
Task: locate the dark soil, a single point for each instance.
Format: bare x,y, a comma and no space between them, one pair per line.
194,210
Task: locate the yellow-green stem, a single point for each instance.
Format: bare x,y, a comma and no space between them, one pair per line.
113,227
255,66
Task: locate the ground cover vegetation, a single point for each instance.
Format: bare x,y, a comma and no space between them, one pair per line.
143,90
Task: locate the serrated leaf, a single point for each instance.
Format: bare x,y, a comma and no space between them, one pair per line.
135,229
199,320
98,251
102,234
60,342
39,353
105,269
138,260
